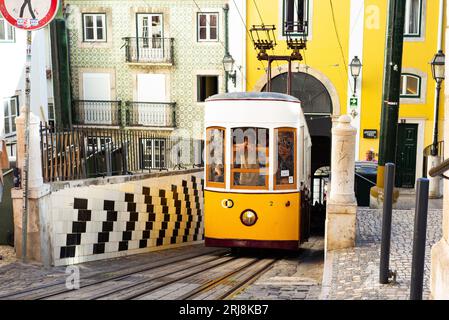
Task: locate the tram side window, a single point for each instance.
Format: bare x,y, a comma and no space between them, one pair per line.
285,158
249,158
215,157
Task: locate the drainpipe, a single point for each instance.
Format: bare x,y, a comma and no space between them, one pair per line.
226,42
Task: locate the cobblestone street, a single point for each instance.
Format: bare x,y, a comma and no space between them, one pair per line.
348,274
7,255
354,273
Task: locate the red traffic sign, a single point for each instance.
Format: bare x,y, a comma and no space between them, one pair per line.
29,14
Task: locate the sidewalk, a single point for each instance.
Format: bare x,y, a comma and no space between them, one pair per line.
354,273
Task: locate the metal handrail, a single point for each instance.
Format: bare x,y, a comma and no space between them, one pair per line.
360,176
428,150
440,169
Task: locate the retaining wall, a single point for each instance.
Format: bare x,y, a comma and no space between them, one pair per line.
106,218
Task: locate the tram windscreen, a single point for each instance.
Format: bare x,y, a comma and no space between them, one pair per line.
250,158
285,150
215,157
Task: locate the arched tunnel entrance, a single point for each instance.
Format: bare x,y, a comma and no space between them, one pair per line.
317,107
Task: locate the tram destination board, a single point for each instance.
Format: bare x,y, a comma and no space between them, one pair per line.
370,133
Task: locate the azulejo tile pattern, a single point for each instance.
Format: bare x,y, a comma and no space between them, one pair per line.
190,57
100,224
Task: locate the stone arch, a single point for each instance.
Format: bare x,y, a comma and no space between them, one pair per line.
297,67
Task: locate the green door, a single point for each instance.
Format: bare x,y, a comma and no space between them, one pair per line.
406,155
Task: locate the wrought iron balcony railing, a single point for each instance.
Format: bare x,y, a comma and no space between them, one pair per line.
92,112
150,114
149,50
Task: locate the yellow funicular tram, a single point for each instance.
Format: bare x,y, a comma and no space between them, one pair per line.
257,172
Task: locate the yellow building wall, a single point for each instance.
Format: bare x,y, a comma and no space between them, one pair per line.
323,50
324,54
417,54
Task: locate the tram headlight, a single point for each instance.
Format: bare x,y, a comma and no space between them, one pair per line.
248,217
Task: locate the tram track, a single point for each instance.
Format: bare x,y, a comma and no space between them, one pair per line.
34,293
231,286
213,275
123,290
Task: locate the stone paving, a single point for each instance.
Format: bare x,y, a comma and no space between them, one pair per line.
7,255
354,273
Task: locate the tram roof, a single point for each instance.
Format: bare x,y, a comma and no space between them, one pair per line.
253,96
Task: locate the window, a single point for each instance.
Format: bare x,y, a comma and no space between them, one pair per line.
410,86
94,27
249,158
207,26
215,157
412,25
149,32
51,114
6,31
153,153
11,149
11,111
285,158
207,86
295,16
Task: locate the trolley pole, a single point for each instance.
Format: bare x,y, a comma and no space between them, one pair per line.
27,145
391,86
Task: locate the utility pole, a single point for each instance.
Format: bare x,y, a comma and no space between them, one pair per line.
391,86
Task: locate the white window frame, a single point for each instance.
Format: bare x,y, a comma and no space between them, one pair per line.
404,79
208,28
305,17
9,31
94,19
8,116
407,19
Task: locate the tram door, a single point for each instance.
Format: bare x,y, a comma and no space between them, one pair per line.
153,153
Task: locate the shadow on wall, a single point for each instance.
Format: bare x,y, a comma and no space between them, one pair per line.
6,213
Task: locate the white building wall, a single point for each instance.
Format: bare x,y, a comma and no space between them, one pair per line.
12,75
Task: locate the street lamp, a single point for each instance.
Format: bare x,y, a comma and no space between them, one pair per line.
228,66
355,66
437,65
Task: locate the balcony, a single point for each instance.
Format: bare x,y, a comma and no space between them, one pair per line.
156,51
92,112
150,114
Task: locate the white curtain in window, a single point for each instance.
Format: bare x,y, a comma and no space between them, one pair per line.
413,11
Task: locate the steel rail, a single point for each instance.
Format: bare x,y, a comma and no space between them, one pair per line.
144,291
214,283
125,274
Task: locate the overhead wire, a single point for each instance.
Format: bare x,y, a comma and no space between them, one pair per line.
249,34
261,21
338,37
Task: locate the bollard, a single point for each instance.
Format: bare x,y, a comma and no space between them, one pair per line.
419,238
385,273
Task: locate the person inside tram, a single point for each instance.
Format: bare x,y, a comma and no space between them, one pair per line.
216,157
247,158
218,174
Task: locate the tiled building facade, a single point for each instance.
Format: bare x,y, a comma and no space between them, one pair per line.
167,54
